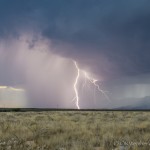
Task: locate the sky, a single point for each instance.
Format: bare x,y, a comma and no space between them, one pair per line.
40,40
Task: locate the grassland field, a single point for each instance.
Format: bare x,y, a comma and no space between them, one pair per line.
75,130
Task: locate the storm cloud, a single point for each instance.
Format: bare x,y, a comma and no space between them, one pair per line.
112,36
108,38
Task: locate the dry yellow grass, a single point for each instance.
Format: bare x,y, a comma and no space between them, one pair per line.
68,130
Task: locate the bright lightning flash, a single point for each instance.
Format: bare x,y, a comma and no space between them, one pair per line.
90,79
75,86
93,81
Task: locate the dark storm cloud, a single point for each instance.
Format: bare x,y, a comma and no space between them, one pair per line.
112,37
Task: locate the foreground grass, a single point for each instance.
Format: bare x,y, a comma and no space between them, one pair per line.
68,130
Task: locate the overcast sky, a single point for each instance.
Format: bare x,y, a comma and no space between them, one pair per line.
107,38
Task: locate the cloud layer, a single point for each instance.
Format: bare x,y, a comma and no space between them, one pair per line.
112,37
108,38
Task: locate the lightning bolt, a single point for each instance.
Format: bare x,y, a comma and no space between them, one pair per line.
75,86
93,81
90,79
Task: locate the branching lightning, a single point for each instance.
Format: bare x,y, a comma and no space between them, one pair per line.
86,77
93,81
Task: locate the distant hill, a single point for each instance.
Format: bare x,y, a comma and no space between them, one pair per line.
142,104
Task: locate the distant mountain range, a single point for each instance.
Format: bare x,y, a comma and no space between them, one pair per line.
142,104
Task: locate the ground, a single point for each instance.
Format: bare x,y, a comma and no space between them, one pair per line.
75,130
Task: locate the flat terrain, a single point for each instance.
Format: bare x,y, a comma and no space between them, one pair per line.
75,130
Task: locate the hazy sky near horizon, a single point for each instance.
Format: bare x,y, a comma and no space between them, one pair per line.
108,38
